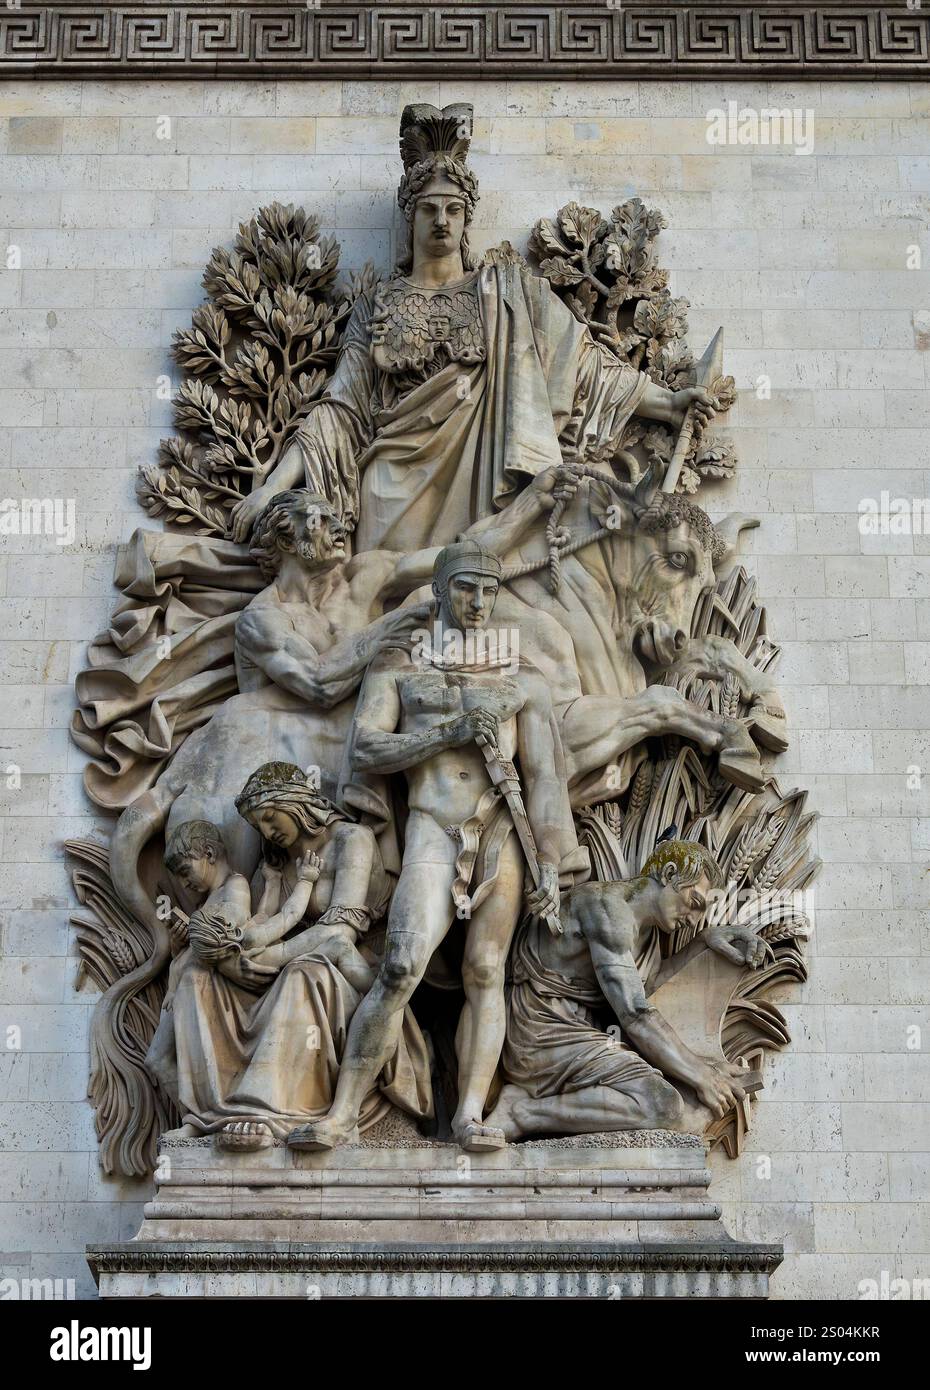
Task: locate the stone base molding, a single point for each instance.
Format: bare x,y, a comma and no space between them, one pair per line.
585,1217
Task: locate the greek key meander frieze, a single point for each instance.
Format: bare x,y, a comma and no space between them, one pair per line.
594,40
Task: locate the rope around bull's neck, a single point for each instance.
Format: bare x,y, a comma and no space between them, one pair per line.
556,553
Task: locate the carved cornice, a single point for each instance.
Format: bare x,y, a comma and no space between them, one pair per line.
521,39
689,1258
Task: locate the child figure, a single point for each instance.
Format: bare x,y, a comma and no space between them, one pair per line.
217,931
252,1044
196,855
223,933
216,938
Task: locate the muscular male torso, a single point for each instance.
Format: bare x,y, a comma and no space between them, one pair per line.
347,600
590,909
451,783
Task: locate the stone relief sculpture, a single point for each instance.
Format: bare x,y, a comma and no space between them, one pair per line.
255,1017
565,1075
454,383
434,725
438,749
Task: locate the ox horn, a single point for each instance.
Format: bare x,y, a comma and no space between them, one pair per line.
648,485
729,531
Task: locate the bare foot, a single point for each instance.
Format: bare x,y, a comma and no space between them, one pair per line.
321,1135
475,1137
504,1116
244,1136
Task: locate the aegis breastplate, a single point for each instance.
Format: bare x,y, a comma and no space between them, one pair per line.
415,332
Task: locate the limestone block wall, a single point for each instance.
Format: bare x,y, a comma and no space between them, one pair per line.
811,261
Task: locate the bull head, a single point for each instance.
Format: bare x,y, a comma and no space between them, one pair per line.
674,555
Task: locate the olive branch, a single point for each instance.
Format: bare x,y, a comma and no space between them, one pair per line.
258,353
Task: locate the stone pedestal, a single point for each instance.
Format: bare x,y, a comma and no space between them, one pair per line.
606,1216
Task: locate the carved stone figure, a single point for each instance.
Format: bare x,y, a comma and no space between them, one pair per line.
563,1074
455,384
302,645
626,595
450,798
254,1028
196,855
428,724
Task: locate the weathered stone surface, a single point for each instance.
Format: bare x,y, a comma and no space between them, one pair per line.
806,440
533,1220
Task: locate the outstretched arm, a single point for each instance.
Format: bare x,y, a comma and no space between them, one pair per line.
651,1034
290,661
271,894
669,407
541,765
717,658
336,943
321,456
500,532
257,935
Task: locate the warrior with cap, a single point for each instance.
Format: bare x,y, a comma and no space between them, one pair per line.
321,619
442,721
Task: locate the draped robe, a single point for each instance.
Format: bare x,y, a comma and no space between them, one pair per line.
417,469
232,1054
420,466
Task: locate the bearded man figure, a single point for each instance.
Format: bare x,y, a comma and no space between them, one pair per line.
455,384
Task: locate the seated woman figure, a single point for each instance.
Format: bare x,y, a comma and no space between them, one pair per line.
260,1016
217,939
